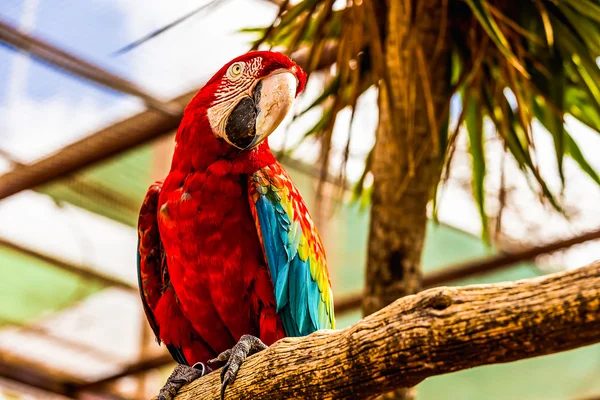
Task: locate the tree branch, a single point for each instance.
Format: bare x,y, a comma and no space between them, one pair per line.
437,331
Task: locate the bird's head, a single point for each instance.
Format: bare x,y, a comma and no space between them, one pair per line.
246,100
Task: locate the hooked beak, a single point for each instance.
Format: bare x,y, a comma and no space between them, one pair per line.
255,117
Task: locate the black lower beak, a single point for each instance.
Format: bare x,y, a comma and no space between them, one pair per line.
241,123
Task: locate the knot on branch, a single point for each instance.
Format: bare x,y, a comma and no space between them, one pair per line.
437,301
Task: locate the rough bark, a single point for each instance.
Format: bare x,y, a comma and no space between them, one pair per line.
406,167
434,332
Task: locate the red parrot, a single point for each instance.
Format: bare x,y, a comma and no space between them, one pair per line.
229,260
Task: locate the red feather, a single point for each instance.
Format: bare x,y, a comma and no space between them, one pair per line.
213,285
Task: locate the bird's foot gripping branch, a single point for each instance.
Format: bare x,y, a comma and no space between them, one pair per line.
235,357
182,375
434,332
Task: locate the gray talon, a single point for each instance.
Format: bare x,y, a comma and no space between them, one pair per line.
235,357
182,375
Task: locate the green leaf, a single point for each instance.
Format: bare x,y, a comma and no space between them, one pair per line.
531,166
582,62
554,123
507,124
294,12
330,89
588,78
581,106
588,31
359,193
570,146
575,153
587,8
500,120
252,30
490,26
321,124
474,123
555,117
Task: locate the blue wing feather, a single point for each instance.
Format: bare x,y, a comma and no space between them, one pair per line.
267,217
282,287
314,297
303,305
298,295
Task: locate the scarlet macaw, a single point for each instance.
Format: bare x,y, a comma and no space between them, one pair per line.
228,256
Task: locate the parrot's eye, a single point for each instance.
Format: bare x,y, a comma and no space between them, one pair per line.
235,71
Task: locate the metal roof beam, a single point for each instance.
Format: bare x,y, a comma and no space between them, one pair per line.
45,382
79,270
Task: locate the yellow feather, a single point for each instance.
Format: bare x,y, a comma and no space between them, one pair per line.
327,296
303,249
315,271
330,309
289,204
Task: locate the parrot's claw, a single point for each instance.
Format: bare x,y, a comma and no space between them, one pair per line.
235,357
182,375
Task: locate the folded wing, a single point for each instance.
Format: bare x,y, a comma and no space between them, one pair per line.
294,252
152,265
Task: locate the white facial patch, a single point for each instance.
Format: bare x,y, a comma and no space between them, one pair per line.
231,91
277,94
218,114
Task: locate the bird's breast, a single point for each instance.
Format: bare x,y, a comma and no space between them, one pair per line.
211,243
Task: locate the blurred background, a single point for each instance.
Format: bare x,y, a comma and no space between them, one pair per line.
71,322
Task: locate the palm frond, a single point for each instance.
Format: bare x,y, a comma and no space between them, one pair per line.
512,63
474,122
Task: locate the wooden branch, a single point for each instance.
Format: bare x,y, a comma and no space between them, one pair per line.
134,369
108,142
437,331
32,377
505,258
21,372
477,267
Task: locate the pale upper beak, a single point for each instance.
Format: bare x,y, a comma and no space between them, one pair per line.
254,118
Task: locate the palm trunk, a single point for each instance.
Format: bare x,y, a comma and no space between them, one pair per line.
406,166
